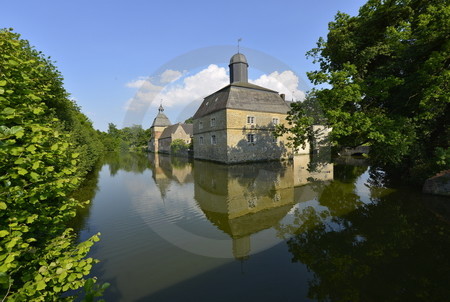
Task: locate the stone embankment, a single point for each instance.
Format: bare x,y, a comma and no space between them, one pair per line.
438,184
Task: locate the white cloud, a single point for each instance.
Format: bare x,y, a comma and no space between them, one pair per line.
192,88
285,82
170,75
195,87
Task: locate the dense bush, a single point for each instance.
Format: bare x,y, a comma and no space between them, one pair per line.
179,146
46,145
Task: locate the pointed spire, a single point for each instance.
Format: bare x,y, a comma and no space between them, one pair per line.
161,108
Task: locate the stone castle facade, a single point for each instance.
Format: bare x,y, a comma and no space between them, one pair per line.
234,124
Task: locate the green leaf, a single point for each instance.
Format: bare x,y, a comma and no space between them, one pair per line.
41,285
8,110
31,148
21,171
2,82
3,233
10,258
3,205
34,175
35,165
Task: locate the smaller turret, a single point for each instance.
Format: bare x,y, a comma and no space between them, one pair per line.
238,68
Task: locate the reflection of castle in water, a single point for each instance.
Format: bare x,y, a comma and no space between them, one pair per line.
242,200
167,169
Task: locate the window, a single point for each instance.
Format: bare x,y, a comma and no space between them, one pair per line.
213,140
275,121
250,119
200,125
213,122
251,138
201,140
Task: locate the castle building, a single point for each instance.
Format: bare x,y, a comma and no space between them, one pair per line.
163,133
236,123
170,133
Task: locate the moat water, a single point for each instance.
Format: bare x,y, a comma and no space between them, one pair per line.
174,229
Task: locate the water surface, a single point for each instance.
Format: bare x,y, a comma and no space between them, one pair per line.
180,230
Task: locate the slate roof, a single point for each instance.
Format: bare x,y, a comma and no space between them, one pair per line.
243,96
238,58
167,132
161,120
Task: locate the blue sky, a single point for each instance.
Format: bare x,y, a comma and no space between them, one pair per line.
120,58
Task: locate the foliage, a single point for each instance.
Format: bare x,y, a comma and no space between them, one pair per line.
189,120
126,139
179,146
300,119
388,76
42,161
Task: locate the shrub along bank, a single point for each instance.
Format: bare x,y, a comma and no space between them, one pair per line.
46,147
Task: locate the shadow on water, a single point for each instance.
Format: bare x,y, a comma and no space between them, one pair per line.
349,237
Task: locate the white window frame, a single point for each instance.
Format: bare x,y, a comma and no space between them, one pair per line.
250,119
275,120
251,138
213,122
213,140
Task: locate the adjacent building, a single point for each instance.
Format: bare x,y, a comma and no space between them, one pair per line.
163,133
173,132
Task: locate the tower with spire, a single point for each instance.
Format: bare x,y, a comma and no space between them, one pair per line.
160,122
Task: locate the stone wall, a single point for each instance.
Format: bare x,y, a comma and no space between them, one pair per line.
231,129
164,143
206,149
153,142
265,146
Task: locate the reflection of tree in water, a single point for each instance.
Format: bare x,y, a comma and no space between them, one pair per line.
130,162
127,161
86,192
392,250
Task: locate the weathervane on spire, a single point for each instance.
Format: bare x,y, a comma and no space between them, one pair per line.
239,40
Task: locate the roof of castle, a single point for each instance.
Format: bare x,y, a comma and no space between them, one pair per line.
161,120
168,131
243,96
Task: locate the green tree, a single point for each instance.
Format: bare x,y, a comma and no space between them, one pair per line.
42,161
387,71
126,139
179,146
